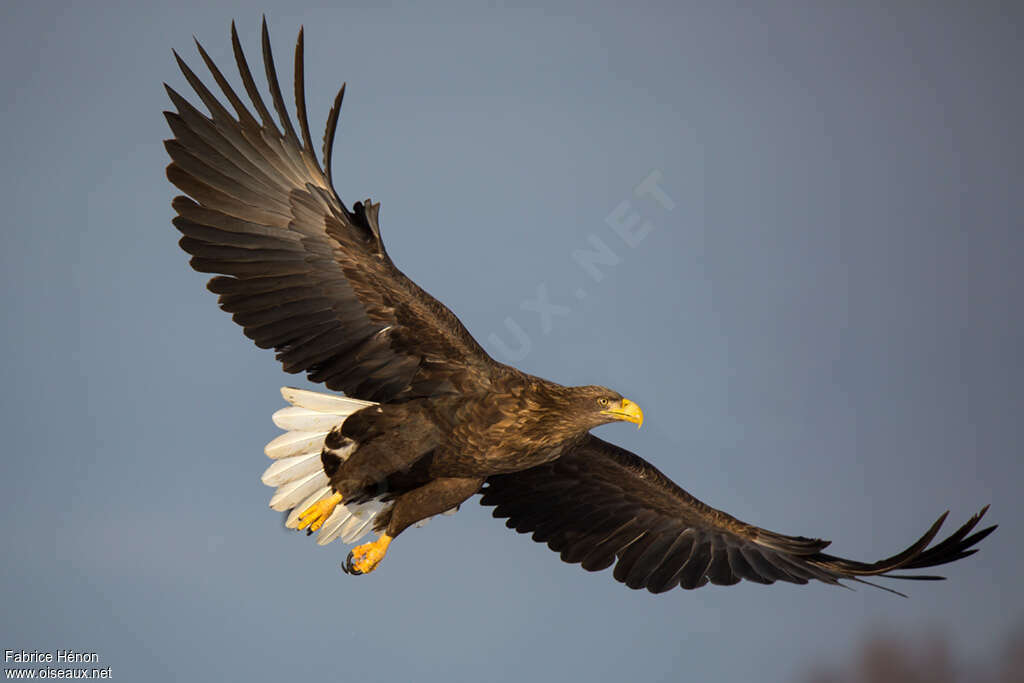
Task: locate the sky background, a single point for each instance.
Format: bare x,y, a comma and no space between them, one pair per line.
824,331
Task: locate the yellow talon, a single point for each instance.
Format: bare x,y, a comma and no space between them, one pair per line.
364,558
316,514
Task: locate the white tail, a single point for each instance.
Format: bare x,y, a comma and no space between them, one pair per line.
297,471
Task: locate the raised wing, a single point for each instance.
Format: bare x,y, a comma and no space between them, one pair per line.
601,503
300,272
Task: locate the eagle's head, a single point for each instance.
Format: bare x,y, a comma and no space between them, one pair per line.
595,405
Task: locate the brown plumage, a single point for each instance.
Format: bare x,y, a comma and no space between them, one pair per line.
309,277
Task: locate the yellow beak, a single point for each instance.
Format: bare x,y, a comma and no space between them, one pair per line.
627,411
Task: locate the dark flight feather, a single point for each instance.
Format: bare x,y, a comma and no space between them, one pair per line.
307,276
681,541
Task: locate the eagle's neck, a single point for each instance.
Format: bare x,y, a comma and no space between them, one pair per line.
551,415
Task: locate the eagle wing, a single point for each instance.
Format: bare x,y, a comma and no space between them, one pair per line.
601,503
299,271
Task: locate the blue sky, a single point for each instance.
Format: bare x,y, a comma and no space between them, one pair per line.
822,326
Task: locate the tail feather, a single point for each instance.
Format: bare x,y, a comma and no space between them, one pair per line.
291,493
297,470
295,418
295,443
287,469
324,403
360,526
332,527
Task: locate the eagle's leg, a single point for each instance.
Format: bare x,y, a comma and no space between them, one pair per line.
316,514
428,500
364,558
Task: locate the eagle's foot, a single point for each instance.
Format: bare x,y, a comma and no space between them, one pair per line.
316,514
363,559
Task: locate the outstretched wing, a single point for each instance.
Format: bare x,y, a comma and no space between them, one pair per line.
300,272
600,503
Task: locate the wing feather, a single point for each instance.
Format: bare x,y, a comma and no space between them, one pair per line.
601,505
300,272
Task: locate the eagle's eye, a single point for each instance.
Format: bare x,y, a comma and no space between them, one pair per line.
602,402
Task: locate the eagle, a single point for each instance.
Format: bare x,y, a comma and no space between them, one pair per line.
421,418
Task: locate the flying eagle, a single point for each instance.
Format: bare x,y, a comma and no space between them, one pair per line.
427,418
